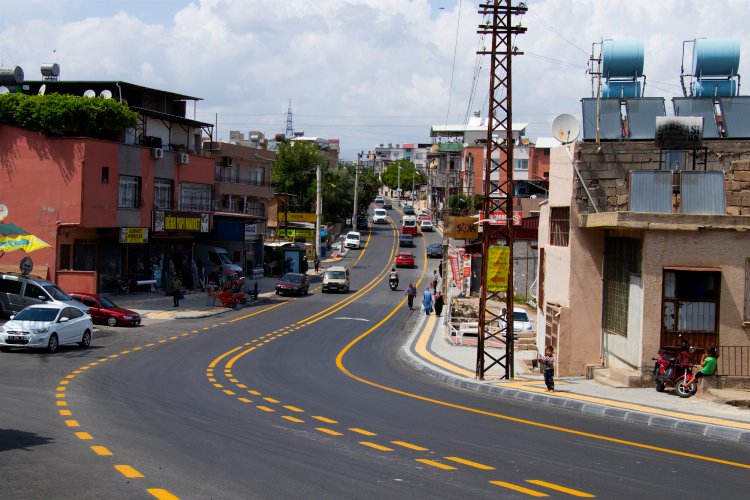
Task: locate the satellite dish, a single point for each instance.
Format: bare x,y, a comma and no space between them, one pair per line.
565,128
105,94
3,90
42,89
89,93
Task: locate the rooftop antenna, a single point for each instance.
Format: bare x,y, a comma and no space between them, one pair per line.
566,128
289,125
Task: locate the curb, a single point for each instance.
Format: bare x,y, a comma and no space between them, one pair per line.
408,354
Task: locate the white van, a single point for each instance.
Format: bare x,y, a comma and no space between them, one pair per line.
380,216
336,279
215,259
353,239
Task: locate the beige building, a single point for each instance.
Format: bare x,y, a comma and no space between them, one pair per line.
633,254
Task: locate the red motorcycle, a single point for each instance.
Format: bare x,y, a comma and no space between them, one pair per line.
675,370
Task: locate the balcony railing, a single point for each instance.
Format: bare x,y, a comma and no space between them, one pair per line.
236,208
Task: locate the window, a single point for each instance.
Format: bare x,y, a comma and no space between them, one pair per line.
66,252
255,208
195,197
130,192
163,194
690,307
33,292
622,259
105,175
522,164
256,176
559,226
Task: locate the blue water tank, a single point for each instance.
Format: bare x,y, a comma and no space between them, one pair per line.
706,87
716,57
622,58
621,89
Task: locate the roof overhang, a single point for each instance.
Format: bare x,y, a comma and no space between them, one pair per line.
663,222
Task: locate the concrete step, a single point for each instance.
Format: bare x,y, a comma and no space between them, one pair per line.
610,378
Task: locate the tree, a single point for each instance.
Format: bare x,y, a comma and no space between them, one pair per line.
294,172
409,176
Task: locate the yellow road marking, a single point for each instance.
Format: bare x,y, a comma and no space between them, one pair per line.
218,386
137,348
362,431
184,335
162,494
64,382
375,445
128,471
114,355
294,409
409,445
231,393
125,352
101,450
265,408
70,376
60,395
520,489
84,435
72,423
476,465
61,403
271,400
324,419
174,338
211,379
328,431
66,413
254,393
292,419
150,345
242,386
557,487
436,464
60,389
233,380
245,400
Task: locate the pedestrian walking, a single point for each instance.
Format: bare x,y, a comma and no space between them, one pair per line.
316,263
433,283
176,290
438,303
547,364
427,300
411,292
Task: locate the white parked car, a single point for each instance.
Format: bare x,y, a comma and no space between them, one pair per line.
521,320
47,326
353,239
426,225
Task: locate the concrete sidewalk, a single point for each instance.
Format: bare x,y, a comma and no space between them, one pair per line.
428,350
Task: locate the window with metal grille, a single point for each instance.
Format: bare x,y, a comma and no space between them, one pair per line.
559,226
163,194
690,308
196,197
130,192
622,258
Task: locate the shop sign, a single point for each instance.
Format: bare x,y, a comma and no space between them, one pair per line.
308,234
499,219
461,228
498,265
251,231
180,221
297,217
133,235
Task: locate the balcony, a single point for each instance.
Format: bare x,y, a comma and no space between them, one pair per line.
246,188
236,207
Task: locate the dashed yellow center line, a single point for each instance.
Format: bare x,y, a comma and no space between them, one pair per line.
114,355
435,464
128,471
65,413
61,403
211,379
162,341
293,419
137,348
557,487
294,409
233,380
101,450
84,436
245,400
409,445
362,431
375,445
265,408
324,419
328,431
476,465
184,335
60,389
150,345
70,376
64,382
271,400
72,423
519,489
229,392
162,494
125,352
254,393
242,386
218,386
60,395
174,338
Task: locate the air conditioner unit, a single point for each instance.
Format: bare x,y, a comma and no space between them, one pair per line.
228,161
157,153
183,158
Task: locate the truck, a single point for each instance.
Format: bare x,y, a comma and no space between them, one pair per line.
215,261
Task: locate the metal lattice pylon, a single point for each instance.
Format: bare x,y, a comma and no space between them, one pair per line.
498,183
289,125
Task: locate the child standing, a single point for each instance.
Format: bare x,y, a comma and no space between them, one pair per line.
547,363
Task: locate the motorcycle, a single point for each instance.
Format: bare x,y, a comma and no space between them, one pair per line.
675,370
393,283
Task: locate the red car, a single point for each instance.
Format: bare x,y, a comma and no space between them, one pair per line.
103,310
405,259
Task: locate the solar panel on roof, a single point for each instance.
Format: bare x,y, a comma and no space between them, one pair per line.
736,111
610,120
698,106
642,113
651,191
703,192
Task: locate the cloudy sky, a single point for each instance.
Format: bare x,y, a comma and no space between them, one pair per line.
363,71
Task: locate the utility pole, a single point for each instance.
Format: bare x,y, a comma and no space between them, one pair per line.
498,189
356,187
318,205
398,188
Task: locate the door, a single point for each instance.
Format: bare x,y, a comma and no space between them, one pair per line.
33,294
95,309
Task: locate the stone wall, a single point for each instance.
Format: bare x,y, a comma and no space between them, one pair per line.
605,168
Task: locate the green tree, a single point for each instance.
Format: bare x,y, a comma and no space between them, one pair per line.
409,176
294,172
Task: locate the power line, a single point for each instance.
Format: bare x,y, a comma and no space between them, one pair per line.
453,66
554,30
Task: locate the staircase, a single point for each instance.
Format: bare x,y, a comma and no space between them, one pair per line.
526,341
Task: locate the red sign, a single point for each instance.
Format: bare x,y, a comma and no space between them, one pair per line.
498,218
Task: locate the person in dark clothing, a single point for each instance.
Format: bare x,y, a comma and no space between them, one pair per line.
176,290
411,292
547,364
438,303
316,262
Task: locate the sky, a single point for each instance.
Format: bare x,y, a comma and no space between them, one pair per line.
366,72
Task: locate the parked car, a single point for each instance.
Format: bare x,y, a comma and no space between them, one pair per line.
18,291
435,250
379,199
406,240
388,205
426,225
405,259
362,222
380,216
521,320
103,310
409,210
47,326
293,284
353,239
423,216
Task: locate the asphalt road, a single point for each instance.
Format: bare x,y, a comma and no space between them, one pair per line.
307,398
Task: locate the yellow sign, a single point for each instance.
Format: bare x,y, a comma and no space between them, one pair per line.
461,228
498,260
133,235
308,234
297,217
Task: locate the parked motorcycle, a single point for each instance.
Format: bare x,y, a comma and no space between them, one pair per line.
675,370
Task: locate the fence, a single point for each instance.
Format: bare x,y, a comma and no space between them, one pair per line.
734,361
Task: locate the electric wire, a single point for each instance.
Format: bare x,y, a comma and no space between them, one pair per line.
453,66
